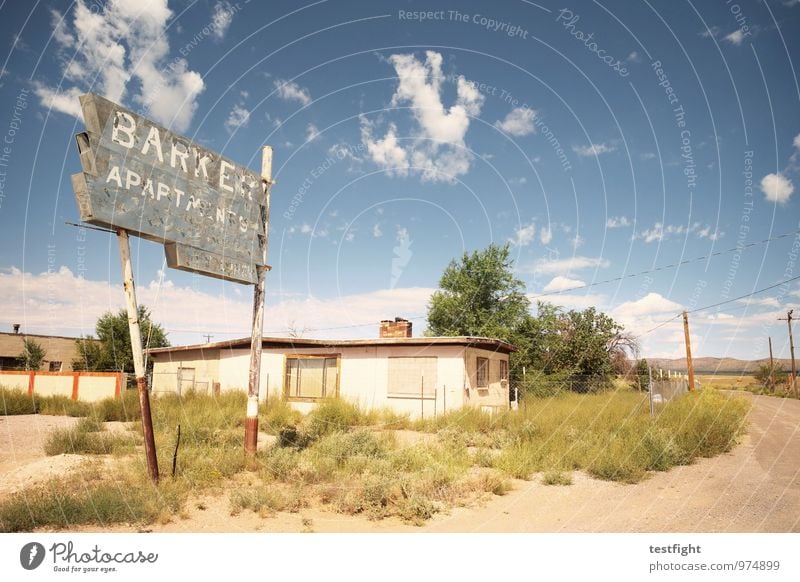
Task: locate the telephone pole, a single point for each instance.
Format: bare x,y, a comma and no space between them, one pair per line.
788,320
689,364
771,366
208,337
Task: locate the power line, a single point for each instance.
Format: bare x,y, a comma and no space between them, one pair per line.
669,266
745,296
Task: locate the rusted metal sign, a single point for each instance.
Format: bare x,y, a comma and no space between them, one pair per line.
209,212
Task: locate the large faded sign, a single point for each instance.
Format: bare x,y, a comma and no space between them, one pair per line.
209,212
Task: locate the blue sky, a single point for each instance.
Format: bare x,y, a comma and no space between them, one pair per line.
601,139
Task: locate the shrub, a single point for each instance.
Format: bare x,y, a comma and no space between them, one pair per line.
14,402
86,437
557,478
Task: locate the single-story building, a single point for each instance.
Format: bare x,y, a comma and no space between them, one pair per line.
59,351
411,375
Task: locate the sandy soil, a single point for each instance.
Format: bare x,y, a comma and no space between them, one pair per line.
755,488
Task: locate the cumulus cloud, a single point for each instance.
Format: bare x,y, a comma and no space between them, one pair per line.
545,235
291,91
62,303
595,149
238,117
435,148
312,132
617,222
777,188
524,235
560,283
660,231
642,314
221,19
114,45
566,266
518,122
736,37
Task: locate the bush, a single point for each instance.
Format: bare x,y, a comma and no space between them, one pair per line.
87,437
16,402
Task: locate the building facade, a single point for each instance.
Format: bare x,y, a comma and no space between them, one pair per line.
415,376
59,351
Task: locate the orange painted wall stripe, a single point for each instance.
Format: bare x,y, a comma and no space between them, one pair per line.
75,380
31,380
118,387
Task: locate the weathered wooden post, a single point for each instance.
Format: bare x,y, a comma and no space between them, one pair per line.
251,420
138,354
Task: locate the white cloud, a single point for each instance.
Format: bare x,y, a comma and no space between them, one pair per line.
736,37
518,122
760,301
306,228
545,235
436,149
312,132
566,266
560,283
62,303
238,117
645,313
660,231
617,222
124,41
796,141
376,230
221,19
386,152
634,57
577,241
524,235
291,91
595,149
647,156
777,188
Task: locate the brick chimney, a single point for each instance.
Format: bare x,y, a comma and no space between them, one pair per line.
398,328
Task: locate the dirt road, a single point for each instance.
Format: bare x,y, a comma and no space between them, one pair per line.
755,488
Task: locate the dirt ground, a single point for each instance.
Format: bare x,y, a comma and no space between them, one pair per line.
754,488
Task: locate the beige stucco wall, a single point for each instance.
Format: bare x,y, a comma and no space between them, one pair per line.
15,381
496,394
363,375
94,388
166,366
53,385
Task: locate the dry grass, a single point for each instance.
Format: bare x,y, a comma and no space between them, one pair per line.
345,459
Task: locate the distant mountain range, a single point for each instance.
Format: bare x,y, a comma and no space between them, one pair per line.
716,365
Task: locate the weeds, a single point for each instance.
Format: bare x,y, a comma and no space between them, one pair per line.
87,437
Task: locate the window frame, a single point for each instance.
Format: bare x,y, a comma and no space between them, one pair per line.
485,385
503,370
287,389
58,369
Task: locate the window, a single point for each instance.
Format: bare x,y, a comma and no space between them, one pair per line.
55,366
482,374
412,377
503,369
312,377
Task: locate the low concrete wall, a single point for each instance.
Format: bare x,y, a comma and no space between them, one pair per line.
84,386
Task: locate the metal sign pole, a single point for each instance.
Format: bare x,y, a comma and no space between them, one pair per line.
138,354
251,421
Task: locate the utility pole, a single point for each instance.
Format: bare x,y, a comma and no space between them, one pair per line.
208,337
689,364
771,366
791,349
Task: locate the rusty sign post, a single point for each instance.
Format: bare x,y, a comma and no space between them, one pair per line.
251,420
138,354
211,214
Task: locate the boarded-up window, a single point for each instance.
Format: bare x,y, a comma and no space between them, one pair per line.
311,377
412,377
482,373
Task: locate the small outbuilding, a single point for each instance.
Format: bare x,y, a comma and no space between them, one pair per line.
418,376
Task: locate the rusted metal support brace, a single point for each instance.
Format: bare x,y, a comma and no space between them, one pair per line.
138,354
251,420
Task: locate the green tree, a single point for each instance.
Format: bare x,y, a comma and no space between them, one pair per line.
479,296
32,356
114,352
766,375
641,380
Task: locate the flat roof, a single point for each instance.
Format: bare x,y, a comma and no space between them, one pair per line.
24,335
485,343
